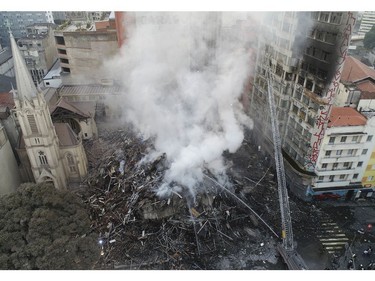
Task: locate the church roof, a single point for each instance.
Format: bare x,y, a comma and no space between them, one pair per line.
6,99
65,134
6,83
64,104
25,85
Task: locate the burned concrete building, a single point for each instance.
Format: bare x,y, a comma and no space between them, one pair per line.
303,53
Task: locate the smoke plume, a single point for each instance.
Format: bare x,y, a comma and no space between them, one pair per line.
182,76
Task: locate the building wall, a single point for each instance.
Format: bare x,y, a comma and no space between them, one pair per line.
305,52
82,53
40,52
75,162
88,129
40,141
7,67
10,178
368,20
18,22
368,179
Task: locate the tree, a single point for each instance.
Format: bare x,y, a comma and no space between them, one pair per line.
369,40
45,228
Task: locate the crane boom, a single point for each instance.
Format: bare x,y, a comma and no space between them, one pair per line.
287,249
286,222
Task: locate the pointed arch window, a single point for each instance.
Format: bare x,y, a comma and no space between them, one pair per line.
32,124
71,163
43,158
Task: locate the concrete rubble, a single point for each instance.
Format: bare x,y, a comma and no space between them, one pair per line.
138,230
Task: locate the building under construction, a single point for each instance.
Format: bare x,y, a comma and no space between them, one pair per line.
305,53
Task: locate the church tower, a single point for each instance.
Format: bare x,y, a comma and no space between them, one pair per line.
38,133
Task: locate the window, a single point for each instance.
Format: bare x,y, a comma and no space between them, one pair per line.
339,152
331,178
369,138
324,165
72,166
352,151
342,177
335,165
332,140
328,153
321,178
343,139
360,164
364,151
32,124
355,139
346,164
43,158
355,176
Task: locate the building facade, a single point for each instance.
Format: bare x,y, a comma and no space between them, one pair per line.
11,178
18,22
47,151
345,153
39,50
83,53
367,21
303,53
6,62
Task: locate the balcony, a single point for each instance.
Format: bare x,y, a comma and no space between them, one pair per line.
331,184
340,158
344,145
335,172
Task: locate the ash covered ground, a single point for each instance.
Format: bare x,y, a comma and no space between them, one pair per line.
222,229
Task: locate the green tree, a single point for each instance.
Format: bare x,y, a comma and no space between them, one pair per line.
369,40
45,228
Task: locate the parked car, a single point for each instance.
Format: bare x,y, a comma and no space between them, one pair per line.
326,196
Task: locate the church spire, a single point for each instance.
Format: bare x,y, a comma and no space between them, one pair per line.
25,85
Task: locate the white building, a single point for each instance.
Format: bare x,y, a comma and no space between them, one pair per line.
345,151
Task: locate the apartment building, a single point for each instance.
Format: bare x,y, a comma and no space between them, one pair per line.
18,22
39,50
304,53
368,20
345,153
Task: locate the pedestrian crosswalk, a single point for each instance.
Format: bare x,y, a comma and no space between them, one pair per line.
332,236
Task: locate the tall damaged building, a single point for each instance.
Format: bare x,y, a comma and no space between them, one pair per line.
303,53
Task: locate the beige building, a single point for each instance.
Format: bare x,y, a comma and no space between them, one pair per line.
47,151
83,51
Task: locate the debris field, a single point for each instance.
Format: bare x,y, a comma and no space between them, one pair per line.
233,227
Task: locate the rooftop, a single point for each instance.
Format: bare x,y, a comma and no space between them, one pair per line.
6,99
65,134
92,89
355,71
345,116
6,83
5,55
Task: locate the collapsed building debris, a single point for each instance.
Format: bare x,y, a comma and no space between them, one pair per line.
138,230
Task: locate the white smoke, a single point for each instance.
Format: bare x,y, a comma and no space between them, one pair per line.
183,75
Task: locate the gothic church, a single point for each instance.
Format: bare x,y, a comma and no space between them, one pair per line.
48,151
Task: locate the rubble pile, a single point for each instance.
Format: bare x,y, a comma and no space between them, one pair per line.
138,230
